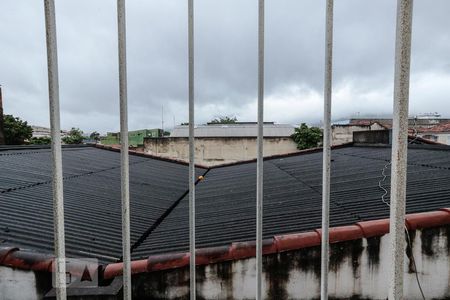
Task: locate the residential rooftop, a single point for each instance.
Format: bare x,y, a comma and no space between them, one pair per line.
225,207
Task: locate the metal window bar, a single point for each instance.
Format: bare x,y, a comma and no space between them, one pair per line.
400,146
124,160
260,158
326,169
57,180
191,149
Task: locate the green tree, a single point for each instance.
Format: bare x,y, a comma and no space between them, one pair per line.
17,132
223,120
44,140
307,137
95,136
75,136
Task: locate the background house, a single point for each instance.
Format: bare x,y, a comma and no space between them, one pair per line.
223,143
343,133
429,126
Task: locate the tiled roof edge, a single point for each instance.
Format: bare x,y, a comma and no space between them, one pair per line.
279,243
30,260
142,154
425,141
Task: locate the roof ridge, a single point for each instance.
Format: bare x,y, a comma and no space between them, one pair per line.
162,217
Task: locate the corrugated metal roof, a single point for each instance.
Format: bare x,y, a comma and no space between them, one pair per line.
234,130
225,198
226,208
91,199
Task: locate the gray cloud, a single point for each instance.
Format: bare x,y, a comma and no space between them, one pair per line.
226,44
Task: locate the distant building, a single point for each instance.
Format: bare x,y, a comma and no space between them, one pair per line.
439,133
135,138
40,131
428,126
223,143
422,120
343,133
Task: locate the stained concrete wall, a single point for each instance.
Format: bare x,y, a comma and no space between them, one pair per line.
342,134
359,269
213,151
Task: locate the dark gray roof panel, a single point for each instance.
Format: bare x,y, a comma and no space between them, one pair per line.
292,196
225,198
91,199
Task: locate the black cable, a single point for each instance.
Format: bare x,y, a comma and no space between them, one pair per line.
414,263
408,240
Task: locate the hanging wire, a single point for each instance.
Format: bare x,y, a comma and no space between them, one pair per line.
383,173
408,239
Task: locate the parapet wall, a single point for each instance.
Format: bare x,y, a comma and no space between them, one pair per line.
359,269
212,151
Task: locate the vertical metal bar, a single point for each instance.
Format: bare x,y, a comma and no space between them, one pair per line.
400,146
326,149
57,182
124,164
260,158
191,149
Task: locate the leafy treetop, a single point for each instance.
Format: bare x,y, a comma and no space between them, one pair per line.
95,136
75,136
17,132
223,120
307,137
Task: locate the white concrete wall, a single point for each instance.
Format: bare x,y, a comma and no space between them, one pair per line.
213,151
358,269
17,284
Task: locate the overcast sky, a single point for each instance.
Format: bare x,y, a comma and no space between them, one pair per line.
225,58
